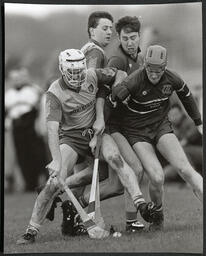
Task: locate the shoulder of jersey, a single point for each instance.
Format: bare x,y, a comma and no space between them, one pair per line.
91,46
55,84
91,73
172,75
116,52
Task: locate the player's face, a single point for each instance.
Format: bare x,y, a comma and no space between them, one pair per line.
154,73
76,76
130,42
103,32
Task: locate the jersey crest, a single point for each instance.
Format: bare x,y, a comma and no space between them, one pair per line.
91,88
167,89
144,92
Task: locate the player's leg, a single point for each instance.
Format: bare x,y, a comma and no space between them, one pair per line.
46,196
109,187
170,148
132,224
153,168
77,191
126,175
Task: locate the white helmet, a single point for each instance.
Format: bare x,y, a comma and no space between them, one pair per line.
72,65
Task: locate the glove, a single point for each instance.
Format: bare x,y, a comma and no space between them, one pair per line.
120,92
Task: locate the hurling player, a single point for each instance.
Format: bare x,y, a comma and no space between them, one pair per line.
100,31
145,122
70,113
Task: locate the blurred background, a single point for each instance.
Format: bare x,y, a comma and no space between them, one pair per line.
34,37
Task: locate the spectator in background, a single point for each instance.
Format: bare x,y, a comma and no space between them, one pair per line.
21,113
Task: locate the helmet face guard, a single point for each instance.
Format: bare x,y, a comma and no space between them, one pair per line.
155,62
72,65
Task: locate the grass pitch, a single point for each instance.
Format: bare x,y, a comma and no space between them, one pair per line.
183,231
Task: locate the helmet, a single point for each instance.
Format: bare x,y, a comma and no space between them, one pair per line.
156,56
72,65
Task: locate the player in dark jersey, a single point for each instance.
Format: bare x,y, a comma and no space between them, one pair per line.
70,113
100,32
145,122
128,57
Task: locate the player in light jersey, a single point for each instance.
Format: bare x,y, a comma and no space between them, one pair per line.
70,113
146,126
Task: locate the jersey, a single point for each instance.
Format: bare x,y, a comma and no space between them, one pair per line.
149,104
122,61
76,110
95,55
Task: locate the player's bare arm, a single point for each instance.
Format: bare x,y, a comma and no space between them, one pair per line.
53,141
99,124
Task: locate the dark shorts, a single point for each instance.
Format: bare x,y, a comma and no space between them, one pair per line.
112,128
150,133
78,140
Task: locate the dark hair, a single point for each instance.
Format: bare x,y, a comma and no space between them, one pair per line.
94,18
129,24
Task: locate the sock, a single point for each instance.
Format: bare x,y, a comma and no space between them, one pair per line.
138,200
32,230
131,217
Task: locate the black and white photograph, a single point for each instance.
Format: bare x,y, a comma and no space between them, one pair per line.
103,128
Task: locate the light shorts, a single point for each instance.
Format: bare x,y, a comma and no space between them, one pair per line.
78,140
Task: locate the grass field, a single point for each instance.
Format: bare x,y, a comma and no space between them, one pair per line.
183,231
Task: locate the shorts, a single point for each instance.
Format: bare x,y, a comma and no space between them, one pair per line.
78,140
150,133
112,128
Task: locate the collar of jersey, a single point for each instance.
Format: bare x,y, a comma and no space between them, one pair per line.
64,86
97,43
125,53
154,85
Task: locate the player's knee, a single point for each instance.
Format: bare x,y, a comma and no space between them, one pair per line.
186,172
182,163
157,178
137,167
116,161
